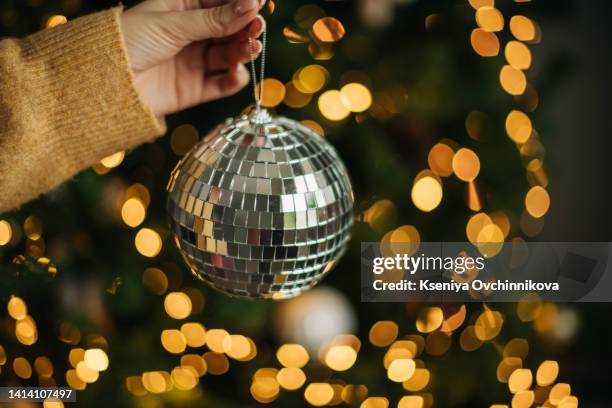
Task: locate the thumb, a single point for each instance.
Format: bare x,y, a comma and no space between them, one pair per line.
215,22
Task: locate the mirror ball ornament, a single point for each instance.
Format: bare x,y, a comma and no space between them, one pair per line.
261,207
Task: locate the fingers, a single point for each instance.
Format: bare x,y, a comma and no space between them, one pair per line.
228,51
222,56
216,22
216,87
253,30
177,5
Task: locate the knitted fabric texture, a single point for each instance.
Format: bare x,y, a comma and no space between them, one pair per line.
67,99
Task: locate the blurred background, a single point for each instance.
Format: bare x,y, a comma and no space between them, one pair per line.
458,120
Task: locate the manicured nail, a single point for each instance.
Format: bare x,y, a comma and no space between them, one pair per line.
256,47
244,6
256,27
247,50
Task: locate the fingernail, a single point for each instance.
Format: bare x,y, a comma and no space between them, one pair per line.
243,6
256,47
256,27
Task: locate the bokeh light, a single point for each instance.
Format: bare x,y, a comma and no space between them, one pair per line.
356,97
240,348
295,98
383,333
273,94
295,37
113,160
537,202
155,382
437,343
518,126
475,224
133,212
264,389
375,402
468,340
403,239
318,394
401,369
411,401
183,138
73,380
217,363
489,19
86,374
43,366
178,305
328,29
476,4
466,164
196,362
292,355
381,215
173,341
194,332
156,280
484,43
96,359
32,227
520,380
310,79
22,368
418,381
547,373
148,242
17,308
291,378
6,232
184,378
518,55
524,29
429,319
55,20
333,106
559,393
506,367
340,357
427,194
512,80
314,126
218,340
523,399
488,325
490,240
25,331
516,348
440,159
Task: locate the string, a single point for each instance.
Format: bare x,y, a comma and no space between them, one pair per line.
258,92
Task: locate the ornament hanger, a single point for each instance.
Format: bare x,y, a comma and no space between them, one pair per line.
258,92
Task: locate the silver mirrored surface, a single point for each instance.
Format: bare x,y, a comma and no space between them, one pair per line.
261,208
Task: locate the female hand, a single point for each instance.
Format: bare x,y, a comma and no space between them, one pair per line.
186,52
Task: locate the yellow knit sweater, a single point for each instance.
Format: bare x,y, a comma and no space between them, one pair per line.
67,99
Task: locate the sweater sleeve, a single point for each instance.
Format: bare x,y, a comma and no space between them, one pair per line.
67,99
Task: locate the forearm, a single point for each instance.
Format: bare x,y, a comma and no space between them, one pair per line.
67,100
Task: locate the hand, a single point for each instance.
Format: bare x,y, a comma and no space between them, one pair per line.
186,52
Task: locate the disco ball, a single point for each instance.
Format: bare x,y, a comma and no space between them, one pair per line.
261,207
